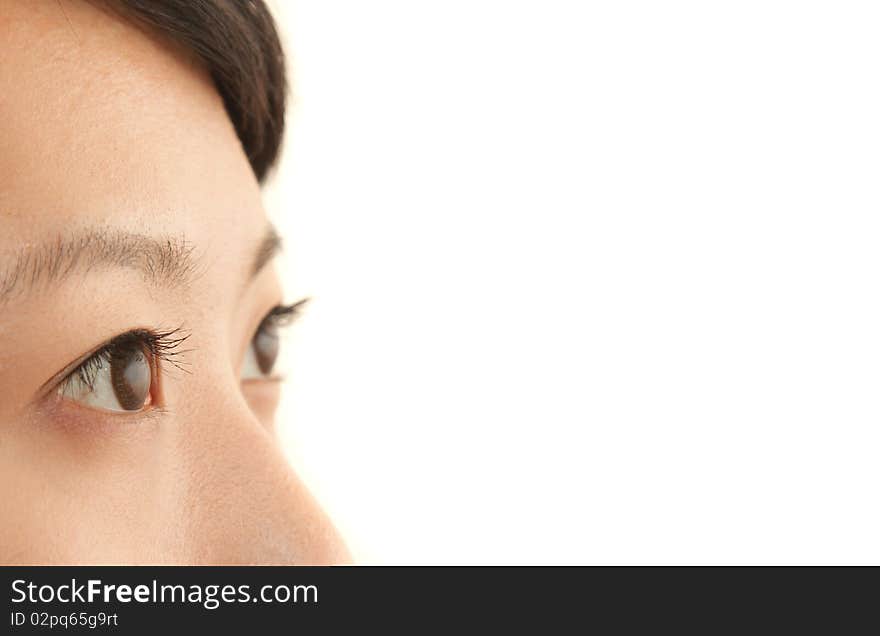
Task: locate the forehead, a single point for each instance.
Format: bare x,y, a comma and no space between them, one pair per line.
103,124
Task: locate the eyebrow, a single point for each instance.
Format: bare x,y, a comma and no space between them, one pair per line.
267,249
163,261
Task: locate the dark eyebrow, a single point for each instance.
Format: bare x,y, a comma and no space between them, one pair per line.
166,261
268,247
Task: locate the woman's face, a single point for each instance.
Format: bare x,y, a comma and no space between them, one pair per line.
129,215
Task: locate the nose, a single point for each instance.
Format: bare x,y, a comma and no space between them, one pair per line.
245,504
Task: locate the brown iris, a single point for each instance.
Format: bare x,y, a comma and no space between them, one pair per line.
266,345
130,375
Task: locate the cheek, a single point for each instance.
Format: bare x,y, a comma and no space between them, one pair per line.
262,397
78,497
210,487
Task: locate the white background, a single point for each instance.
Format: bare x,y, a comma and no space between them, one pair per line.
594,282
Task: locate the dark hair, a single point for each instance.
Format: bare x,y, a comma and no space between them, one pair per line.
237,42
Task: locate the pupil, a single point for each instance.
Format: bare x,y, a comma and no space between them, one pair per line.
131,377
266,345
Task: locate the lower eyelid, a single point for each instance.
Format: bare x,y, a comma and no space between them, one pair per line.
75,419
270,379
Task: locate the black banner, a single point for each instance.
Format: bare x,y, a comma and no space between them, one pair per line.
458,599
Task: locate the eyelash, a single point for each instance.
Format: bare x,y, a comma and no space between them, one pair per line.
164,346
282,315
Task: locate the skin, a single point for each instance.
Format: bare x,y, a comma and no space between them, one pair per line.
104,127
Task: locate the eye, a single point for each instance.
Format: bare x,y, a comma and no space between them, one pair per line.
262,352
120,376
